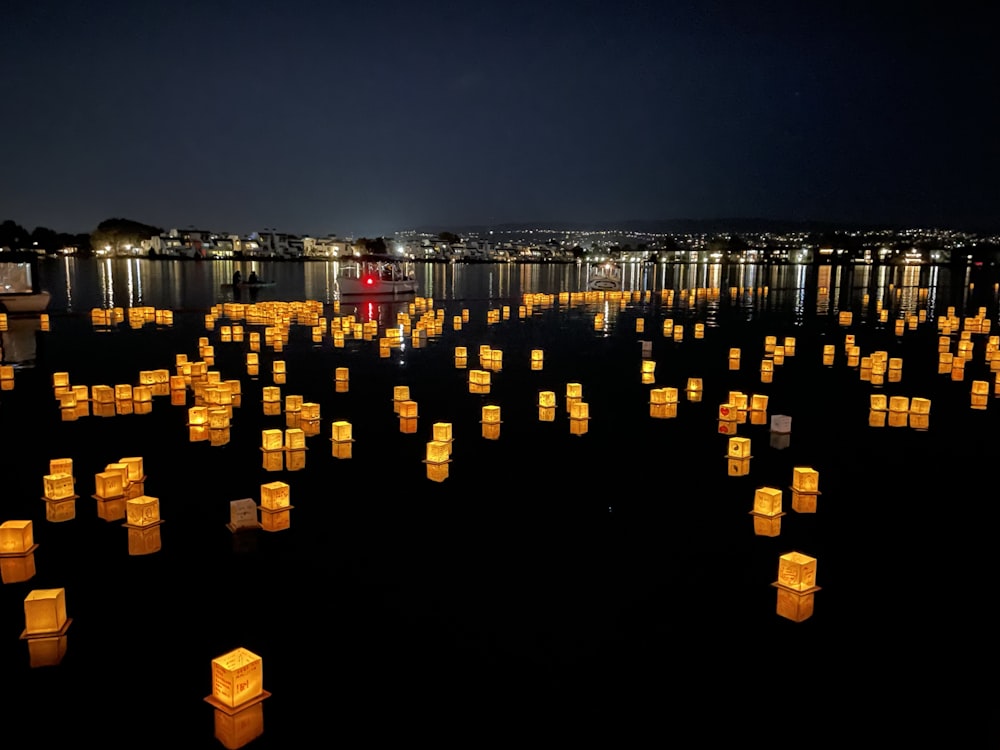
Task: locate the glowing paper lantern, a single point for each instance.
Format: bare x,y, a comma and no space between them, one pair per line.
45,613
237,680
980,394
537,359
142,511
58,486
441,432
734,359
109,484
16,538
767,511
920,409
796,586
275,506
479,381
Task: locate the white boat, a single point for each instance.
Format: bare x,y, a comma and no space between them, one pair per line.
19,290
604,277
377,276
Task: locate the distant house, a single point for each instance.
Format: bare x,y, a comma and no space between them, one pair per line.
324,247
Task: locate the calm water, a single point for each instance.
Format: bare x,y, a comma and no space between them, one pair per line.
548,567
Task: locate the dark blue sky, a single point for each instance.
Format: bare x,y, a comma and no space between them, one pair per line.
371,118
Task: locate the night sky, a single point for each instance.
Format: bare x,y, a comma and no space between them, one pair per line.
362,119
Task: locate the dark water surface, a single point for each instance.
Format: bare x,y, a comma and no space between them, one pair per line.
550,570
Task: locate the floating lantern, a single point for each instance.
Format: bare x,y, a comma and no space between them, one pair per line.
218,419
295,439
45,613
766,371
648,371
727,412
668,328
242,515
579,417
796,586
920,409
491,422
828,354
805,479
109,484
896,403
805,489
17,539
237,680
845,318
734,359
142,511
678,333
980,394
442,433
738,448
275,506
767,501
58,486
438,455
699,330
854,356
537,359
767,512
789,346
958,369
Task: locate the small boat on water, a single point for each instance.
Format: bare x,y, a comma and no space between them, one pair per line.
604,277
20,293
377,276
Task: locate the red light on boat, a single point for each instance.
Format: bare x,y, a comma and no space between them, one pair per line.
369,281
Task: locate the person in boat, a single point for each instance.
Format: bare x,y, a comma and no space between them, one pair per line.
237,278
252,278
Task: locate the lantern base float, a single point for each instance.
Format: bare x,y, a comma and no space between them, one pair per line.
142,526
26,636
23,553
233,710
